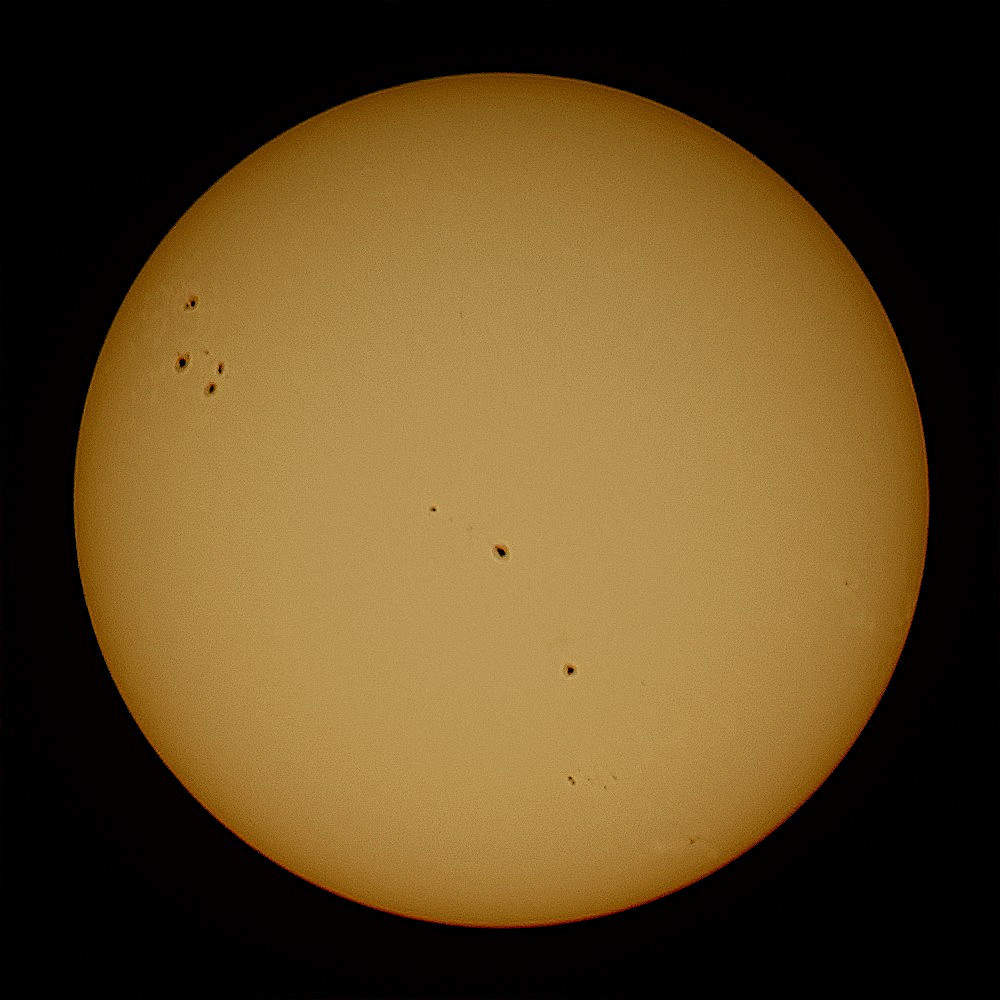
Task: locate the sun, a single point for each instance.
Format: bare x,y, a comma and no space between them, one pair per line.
501,500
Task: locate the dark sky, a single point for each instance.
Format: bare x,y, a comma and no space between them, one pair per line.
115,881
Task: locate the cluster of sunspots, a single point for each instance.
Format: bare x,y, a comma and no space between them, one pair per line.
590,781
183,361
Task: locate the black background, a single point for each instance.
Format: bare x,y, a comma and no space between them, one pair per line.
115,881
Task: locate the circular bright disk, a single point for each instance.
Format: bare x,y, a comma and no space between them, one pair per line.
501,500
